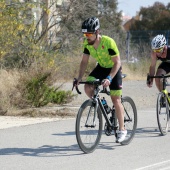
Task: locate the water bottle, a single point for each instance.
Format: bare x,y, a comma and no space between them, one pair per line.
106,107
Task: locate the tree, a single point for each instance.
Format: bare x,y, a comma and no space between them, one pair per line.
109,17
15,32
44,36
56,29
153,20
155,17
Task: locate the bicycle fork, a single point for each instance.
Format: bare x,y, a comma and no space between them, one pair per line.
95,103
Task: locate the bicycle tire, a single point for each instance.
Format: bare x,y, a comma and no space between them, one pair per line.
130,119
162,114
88,138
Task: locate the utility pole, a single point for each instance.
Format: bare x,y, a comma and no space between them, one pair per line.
127,45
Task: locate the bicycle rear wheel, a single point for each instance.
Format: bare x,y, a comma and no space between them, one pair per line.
130,119
88,127
162,113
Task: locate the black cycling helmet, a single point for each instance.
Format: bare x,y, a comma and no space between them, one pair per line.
90,25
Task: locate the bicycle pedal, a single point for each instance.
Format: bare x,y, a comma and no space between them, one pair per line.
117,141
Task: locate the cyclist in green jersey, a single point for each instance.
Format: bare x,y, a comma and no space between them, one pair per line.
108,69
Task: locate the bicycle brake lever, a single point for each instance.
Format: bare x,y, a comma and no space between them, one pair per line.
78,90
74,83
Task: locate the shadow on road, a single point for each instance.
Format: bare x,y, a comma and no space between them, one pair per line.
73,150
43,151
147,132
53,151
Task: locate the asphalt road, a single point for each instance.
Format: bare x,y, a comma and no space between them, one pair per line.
53,146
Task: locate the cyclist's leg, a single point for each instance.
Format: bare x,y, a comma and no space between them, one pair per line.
89,89
116,92
119,111
158,81
130,119
164,68
98,73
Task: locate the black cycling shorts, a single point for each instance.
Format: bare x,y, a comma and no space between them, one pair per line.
101,73
165,66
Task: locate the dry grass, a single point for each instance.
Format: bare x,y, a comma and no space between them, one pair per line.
12,81
136,71
8,83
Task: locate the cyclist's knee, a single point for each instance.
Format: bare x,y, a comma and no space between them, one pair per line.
88,90
116,100
158,84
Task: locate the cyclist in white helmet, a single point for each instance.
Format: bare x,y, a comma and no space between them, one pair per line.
160,51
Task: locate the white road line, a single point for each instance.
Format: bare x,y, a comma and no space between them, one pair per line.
154,165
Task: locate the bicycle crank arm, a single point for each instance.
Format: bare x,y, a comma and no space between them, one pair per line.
127,120
91,126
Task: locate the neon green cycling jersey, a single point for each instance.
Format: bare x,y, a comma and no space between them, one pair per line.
104,53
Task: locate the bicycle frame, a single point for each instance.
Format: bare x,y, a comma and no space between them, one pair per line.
89,120
99,104
165,91
104,113
166,94
165,84
162,107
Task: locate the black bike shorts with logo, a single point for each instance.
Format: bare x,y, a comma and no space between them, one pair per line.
101,73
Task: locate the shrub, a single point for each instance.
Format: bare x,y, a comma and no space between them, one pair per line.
61,97
38,93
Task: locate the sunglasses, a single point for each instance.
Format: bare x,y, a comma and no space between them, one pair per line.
88,34
158,50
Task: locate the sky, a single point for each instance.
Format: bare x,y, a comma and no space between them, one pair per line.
130,7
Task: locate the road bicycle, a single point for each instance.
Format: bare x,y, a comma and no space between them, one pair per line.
89,121
163,104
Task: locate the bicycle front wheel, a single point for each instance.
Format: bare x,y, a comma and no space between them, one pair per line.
88,127
130,119
162,113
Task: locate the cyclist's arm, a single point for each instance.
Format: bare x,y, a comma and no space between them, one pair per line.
117,64
152,67
153,64
83,66
114,53
114,70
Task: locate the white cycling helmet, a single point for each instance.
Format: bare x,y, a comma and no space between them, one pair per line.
158,42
